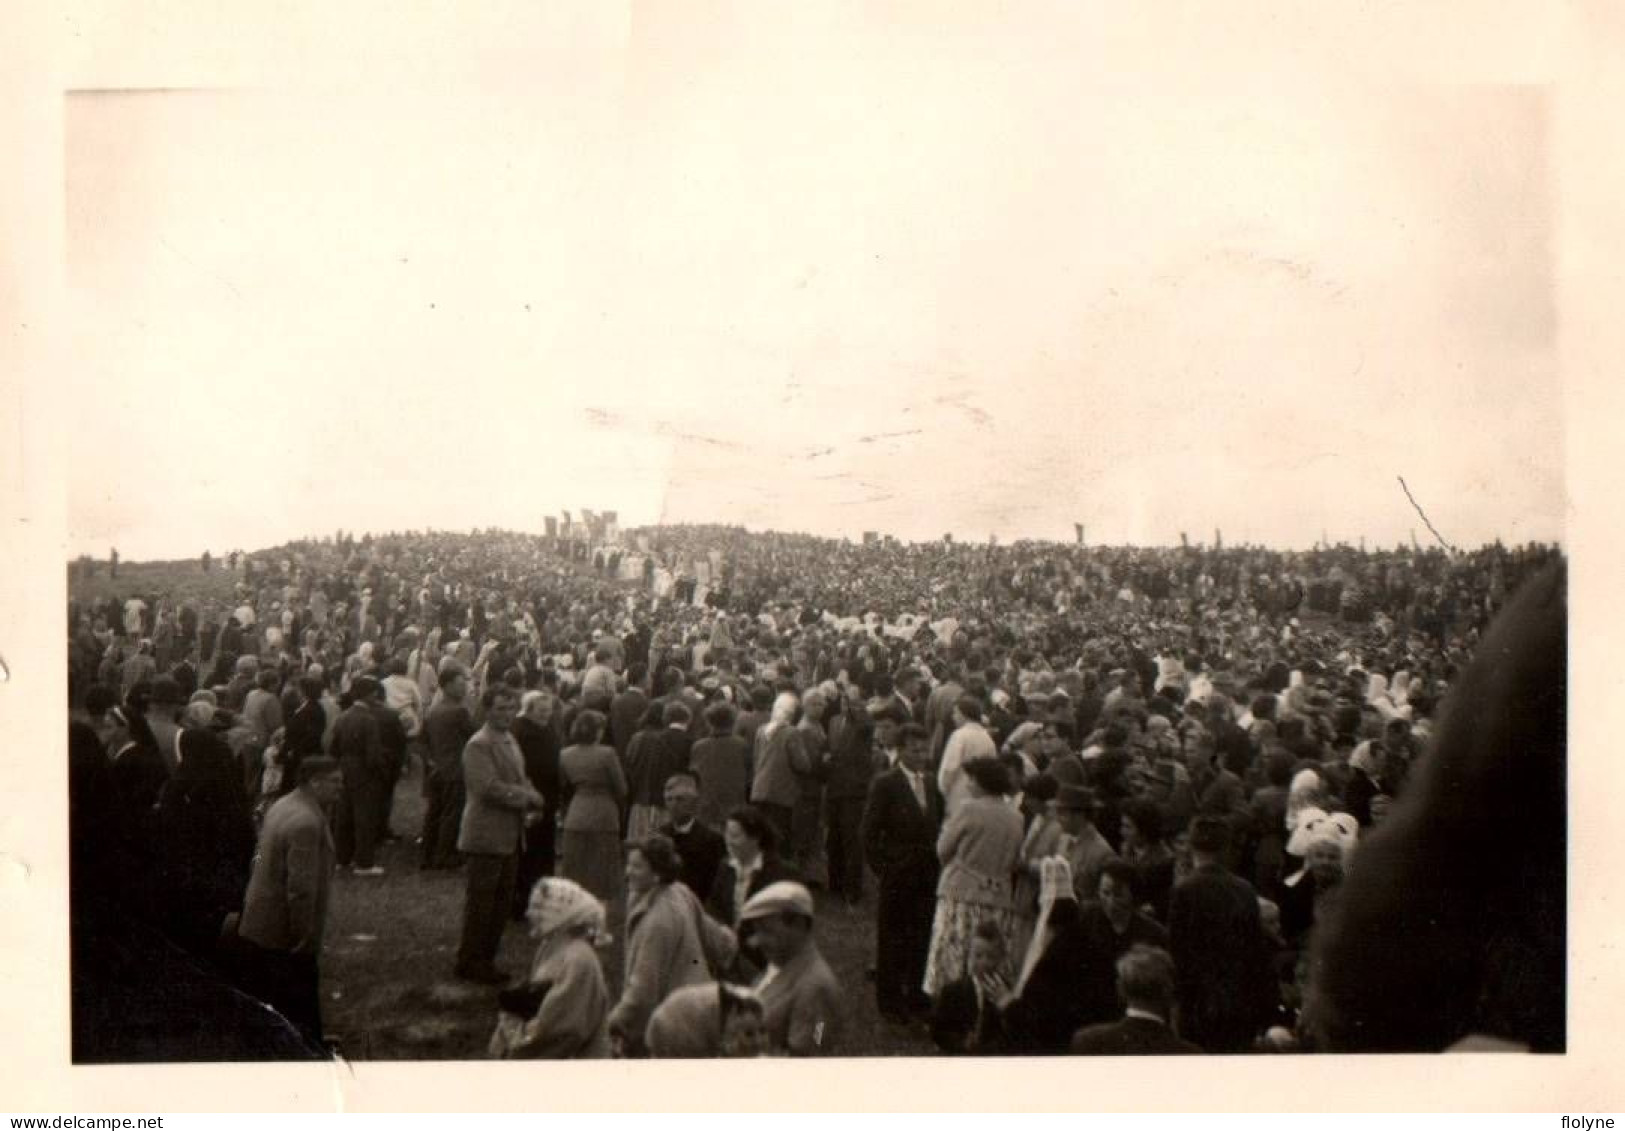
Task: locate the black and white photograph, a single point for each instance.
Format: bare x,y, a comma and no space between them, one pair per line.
837,530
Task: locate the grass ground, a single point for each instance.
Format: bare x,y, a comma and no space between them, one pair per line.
387,988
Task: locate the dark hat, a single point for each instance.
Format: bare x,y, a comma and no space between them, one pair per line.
1077,798
167,692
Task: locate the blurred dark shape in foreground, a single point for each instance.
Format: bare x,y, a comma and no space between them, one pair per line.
1453,920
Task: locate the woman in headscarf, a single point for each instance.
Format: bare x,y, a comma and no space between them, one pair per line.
670,941
1325,842
1376,695
1051,998
980,851
561,1012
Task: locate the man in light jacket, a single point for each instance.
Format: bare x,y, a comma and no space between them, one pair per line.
285,908
498,795
802,1001
781,754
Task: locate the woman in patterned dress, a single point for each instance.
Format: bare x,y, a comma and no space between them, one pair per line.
980,850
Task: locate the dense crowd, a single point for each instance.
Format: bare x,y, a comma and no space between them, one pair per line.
1099,800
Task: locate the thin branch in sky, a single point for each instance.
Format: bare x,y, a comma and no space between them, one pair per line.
1423,513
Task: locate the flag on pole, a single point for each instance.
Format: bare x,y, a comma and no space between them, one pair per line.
552,526
1078,529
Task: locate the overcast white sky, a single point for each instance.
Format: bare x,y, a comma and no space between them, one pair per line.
812,269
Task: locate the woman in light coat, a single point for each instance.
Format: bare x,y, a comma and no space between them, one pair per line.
571,1019
670,941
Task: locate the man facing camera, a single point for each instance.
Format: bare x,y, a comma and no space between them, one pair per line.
701,848
285,908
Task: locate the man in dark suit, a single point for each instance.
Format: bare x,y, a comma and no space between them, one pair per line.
136,777
701,848
755,717
846,789
907,699
900,823
447,726
303,737
1145,980
359,749
539,743
626,710
1218,945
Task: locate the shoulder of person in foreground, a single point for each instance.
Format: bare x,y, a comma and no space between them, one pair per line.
817,1011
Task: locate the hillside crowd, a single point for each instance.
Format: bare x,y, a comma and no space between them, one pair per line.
1098,800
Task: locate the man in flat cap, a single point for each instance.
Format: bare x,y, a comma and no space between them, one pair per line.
799,992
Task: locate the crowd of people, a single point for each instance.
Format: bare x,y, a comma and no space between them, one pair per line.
1097,800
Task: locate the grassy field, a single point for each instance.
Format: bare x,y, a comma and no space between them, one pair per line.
387,987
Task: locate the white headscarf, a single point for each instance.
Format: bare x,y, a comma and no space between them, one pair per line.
1318,827
1400,690
1304,796
558,904
1339,829
1054,882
